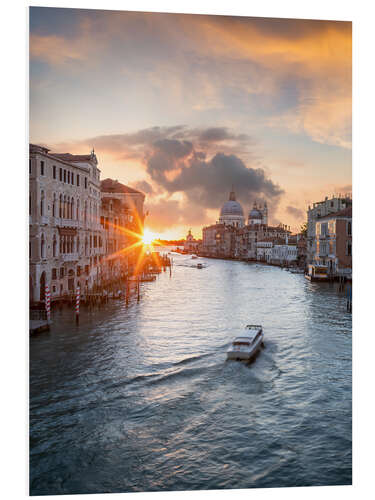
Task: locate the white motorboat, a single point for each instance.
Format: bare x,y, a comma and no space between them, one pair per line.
246,345
194,256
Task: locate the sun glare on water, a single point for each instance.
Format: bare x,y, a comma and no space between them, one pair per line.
148,237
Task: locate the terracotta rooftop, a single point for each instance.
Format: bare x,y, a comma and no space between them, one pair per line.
73,158
111,186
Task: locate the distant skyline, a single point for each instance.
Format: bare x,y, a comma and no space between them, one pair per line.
183,106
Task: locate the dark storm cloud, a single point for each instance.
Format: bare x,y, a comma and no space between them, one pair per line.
144,186
174,141
206,181
297,213
178,149
202,163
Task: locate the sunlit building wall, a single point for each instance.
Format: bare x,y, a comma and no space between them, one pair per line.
66,239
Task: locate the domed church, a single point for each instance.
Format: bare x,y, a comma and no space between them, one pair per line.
231,213
258,215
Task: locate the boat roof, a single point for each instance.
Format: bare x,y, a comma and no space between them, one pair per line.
247,335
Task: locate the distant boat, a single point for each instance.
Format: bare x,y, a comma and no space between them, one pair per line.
199,266
194,256
247,345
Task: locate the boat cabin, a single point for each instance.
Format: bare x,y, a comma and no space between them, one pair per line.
249,337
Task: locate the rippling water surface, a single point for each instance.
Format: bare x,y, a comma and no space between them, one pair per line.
141,398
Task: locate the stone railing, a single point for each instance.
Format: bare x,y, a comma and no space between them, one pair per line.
66,223
70,257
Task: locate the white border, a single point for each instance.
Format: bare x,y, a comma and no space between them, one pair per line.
14,373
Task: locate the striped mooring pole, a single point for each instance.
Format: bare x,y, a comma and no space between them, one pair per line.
47,299
78,296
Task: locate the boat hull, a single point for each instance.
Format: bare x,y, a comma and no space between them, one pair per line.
245,354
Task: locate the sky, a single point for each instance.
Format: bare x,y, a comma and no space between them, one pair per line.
184,106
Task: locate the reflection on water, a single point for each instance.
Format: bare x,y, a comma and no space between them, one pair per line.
141,398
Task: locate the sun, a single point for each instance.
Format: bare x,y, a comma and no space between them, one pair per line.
148,237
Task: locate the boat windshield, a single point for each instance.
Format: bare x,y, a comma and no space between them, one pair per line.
240,342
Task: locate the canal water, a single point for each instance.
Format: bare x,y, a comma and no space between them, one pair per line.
141,398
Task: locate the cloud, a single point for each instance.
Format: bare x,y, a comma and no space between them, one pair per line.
297,213
172,141
144,186
175,162
291,74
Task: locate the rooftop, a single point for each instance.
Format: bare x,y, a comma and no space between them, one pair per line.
111,186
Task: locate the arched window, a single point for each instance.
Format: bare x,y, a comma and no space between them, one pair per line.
42,247
86,246
77,245
60,206
72,213
42,203
30,206
85,212
77,209
54,205
64,244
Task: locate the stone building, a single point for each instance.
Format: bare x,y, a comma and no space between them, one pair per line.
333,242
318,210
219,240
264,249
122,220
231,213
284,253
191,245
65,236
79,227
241,240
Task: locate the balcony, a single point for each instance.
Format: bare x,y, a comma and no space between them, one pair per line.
70,257
66,223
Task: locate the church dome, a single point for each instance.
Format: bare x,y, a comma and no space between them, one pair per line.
231,207
255,214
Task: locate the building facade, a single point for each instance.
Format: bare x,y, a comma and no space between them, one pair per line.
333,243
65,237
191,245
241,241
315,212
219,240
122,221
70,214
284,253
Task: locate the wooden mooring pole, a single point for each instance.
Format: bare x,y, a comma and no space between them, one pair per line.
78,296
47,298
127,292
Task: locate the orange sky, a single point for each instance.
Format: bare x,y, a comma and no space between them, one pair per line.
183,106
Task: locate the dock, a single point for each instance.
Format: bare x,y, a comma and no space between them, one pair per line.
38,325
